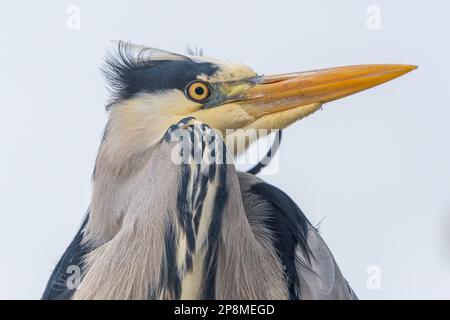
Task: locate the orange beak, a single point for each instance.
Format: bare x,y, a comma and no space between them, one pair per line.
283,92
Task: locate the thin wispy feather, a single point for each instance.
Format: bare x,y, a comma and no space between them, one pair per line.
120,66
194,51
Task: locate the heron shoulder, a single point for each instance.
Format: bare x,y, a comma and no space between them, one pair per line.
282,219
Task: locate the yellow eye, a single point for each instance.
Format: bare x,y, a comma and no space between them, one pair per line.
198,91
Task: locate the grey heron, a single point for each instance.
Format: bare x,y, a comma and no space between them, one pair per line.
161,229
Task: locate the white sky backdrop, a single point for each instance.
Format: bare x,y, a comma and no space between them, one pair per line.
375,166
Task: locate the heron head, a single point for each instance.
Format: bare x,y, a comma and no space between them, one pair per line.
153,89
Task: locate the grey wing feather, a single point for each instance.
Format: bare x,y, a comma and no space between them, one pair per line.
57,286
322,279
311,270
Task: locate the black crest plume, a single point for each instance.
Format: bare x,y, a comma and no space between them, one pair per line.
132,69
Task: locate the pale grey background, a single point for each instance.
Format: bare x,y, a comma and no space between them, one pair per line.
375,166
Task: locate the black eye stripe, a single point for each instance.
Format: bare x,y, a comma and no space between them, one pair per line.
128,74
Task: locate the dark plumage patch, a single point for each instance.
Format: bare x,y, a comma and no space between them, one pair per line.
214,232
200,188
184,207
289,227
266,160
171,279
190,201
73,256
129,72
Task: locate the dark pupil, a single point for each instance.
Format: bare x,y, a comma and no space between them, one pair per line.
199,91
